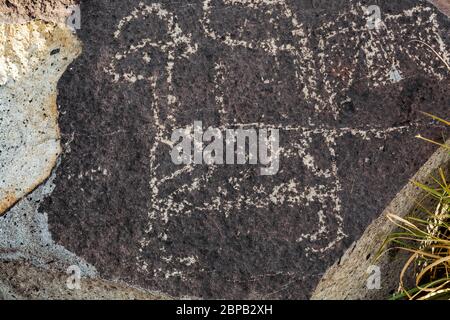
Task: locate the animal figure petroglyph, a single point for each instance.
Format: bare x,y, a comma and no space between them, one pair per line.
321,81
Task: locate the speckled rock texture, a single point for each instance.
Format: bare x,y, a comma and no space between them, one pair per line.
349,277
344,93
33,56
21,280
443,6
20,11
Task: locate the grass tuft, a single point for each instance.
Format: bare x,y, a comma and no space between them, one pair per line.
426,238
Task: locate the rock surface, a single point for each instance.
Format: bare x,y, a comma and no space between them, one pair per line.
20,11
442,5
345,97
33,56
22,280
360,259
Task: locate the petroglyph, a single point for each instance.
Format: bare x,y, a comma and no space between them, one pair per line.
377,57
33,56
322,81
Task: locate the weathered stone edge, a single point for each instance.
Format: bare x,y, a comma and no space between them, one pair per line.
20,280
442,5
22,11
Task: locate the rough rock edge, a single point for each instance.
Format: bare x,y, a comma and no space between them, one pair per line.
442,5
21,11
347,278
43,110
20,280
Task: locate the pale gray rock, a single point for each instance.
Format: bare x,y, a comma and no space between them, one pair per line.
33,56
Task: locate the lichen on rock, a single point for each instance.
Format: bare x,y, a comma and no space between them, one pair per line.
33,56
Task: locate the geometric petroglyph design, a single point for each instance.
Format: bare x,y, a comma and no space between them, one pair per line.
320,83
